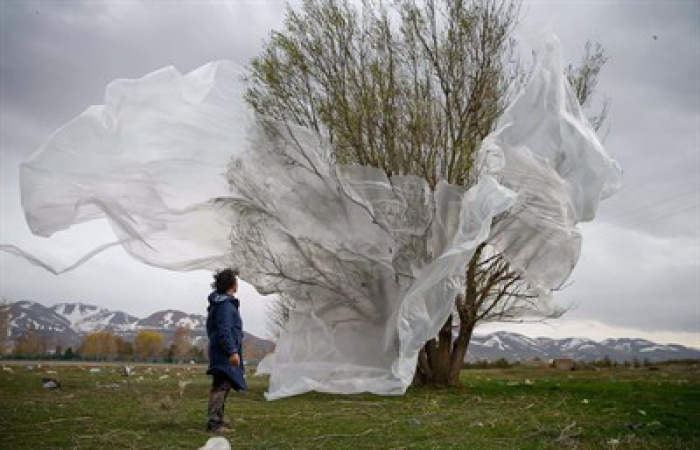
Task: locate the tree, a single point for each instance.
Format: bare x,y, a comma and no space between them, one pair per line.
101,345
198,354
69,355
182,343
148,345
125,349
4,325
413,97
278,314
31,343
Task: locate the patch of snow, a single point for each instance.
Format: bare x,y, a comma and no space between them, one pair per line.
188,322
79,315
495,341
653,349
575,342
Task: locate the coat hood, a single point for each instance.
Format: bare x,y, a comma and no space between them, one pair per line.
216,299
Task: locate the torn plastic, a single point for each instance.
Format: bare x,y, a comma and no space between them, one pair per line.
188,179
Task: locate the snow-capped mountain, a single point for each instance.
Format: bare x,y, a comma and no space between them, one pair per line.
172,319
67,323
25,315
516,347
89,318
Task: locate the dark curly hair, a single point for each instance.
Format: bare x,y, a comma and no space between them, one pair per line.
225,280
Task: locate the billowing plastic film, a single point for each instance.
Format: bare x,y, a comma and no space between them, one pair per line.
188,179
545,150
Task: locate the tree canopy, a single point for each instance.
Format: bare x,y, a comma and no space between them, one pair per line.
410,88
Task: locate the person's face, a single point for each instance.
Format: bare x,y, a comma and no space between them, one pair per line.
234,288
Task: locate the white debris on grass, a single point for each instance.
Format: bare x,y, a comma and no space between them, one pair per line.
182,385
217,443
51,384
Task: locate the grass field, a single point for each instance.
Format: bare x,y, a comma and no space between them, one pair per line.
512,408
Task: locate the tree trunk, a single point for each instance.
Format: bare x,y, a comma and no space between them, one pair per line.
440,360
459,351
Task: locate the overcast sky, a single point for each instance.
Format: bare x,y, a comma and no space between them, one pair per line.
639,273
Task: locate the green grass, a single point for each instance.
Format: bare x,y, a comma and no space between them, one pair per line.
511,408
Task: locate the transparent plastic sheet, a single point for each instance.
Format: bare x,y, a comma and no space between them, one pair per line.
555,163
151,161
372,263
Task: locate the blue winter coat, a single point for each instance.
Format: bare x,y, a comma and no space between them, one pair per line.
225,331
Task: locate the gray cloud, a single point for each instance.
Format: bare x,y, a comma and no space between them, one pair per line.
634,279
655,110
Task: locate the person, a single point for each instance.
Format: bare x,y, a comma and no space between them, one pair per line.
225,332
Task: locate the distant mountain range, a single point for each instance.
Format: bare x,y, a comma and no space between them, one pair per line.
516,347
67,323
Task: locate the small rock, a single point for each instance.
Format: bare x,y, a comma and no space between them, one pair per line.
584,401
166,403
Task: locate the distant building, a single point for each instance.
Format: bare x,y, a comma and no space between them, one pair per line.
534,362
563,364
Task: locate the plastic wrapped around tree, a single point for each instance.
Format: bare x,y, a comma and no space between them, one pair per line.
188,179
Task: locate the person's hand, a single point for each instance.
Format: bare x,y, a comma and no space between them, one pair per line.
234,359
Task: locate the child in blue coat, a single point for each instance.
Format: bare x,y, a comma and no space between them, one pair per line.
225,331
